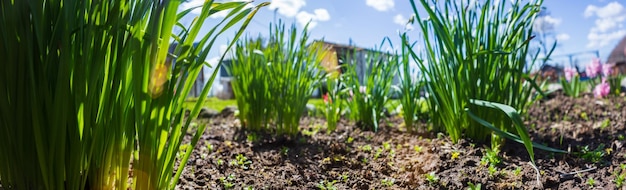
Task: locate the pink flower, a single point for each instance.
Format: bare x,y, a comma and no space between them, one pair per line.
594,68
602,90
570,73
607,69
326,98
363,89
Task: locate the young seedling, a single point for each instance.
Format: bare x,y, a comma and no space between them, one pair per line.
388,182
241,161
431,178
209,147
284,150
327,185
493,170
227,182
473,187
620,175
417,148
594,156
349,140
344,177
366,148
517,171
591,182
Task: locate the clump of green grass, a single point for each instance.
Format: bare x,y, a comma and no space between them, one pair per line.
92,84
475,52
369,91
274,80
410,86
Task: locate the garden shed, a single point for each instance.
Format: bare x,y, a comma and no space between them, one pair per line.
618,56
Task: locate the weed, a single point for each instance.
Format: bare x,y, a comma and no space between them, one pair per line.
344,177
517,171
620,175
327,185
349,140
366,148
284,150
386,145
219,162
591,182
431,178
621,137
379,151
209,147
473,187
594,156
252,137
491,157
584,116
417,148
241,161
227,181
492,170
605,124
388,182
619,180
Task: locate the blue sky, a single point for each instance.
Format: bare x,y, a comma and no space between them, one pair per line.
579,26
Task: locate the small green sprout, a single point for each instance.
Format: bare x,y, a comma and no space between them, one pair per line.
605,124
284,150
517,171
327,185
227,181
492,170
417,148
387,145
366,148
209,147
344,177
473,187
349,140
388,182
591,182
594,156
241,161
379,151
252,137
584,116
491,157
431,178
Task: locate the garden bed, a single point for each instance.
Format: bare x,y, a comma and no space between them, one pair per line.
391,158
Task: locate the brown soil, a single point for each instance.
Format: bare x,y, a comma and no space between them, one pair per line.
387,159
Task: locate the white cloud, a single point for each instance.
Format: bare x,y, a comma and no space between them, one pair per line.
610,10
609,24
546,23
598,40
562,37
380,5
399,19
288,8
318,15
